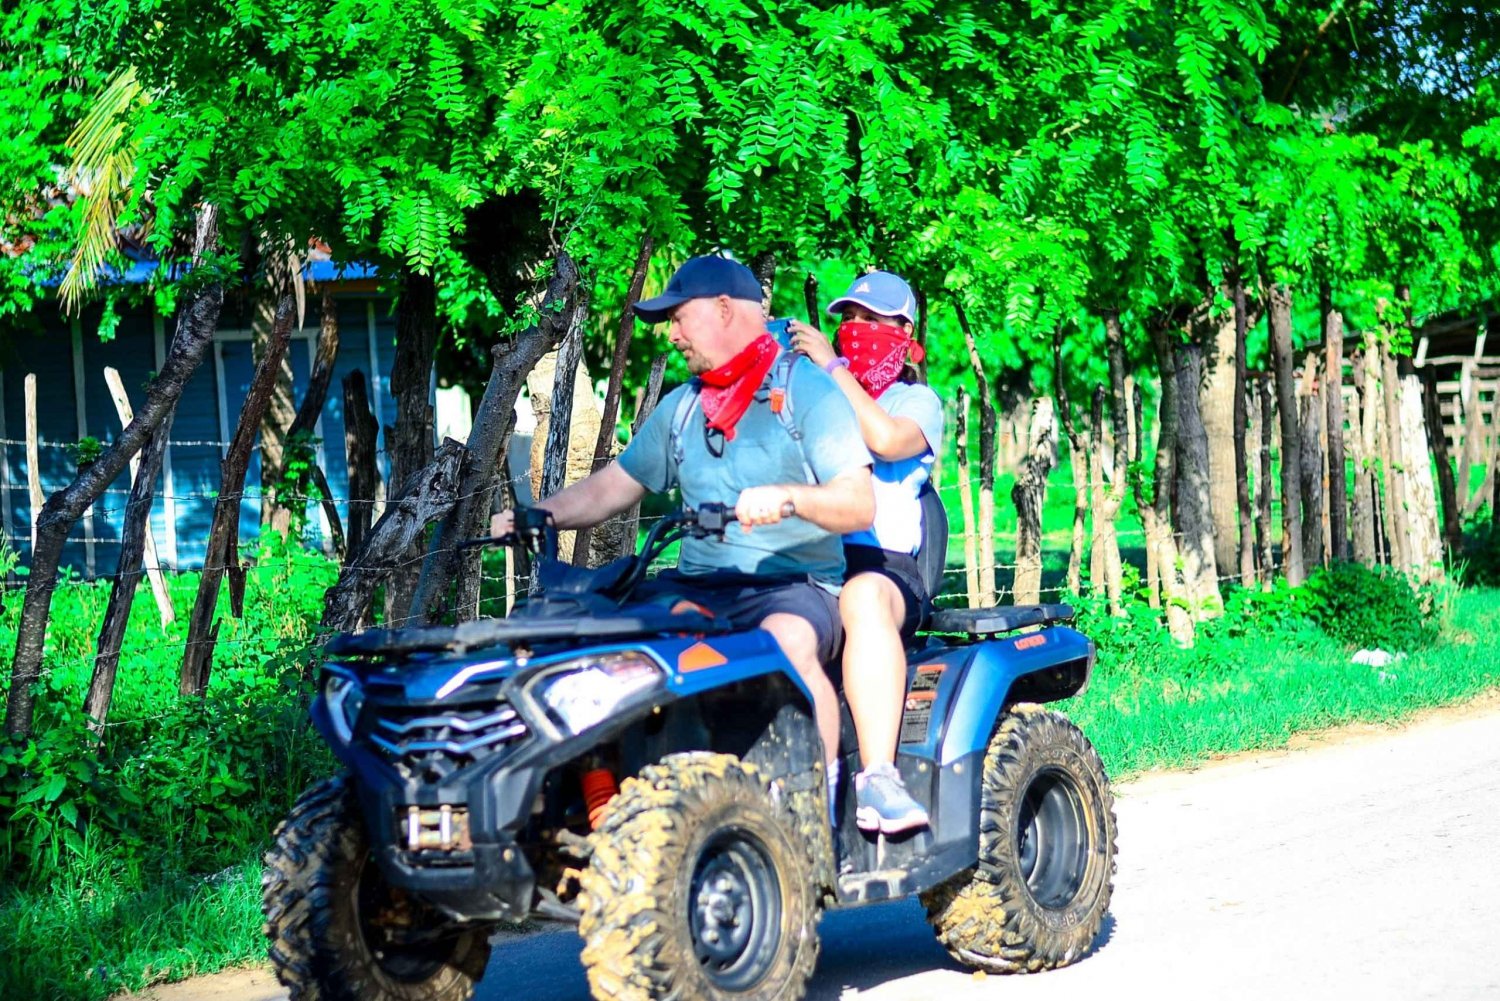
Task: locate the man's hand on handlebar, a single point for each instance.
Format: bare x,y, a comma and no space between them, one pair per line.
502,524
763,506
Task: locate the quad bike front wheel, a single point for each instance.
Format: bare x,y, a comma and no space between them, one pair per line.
1039,894
698,887
339,932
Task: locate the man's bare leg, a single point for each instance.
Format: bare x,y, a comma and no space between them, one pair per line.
799,642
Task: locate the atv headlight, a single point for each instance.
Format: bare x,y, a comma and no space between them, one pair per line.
344,698
583,693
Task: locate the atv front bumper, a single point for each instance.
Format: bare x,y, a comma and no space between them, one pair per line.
495,883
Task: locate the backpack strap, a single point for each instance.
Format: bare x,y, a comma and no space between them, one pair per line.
781,406
682,415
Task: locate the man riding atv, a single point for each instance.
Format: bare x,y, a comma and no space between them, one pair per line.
768,430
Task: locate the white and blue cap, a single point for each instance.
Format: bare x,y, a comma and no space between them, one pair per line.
701,278
879,292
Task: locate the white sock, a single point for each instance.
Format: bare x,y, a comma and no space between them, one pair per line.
833,783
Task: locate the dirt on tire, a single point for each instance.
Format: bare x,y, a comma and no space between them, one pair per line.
1010,913
648,854
310,892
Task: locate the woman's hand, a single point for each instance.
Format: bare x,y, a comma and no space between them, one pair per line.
811,342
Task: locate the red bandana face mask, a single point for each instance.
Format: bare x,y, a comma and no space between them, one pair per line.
877,352
727,390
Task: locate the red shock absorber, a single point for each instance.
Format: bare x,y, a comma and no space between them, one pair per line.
599,787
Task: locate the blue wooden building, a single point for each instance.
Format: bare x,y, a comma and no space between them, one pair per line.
68,359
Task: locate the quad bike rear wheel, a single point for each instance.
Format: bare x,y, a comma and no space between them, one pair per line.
1038,896
339,932
698,887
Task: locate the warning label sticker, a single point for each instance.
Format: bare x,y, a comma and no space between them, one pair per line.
916,717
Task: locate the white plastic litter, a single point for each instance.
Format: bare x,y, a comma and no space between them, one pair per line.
1376,658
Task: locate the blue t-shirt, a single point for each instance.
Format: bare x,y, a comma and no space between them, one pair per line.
762,453
898,513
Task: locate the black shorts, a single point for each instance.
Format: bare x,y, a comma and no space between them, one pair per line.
747,600
902,570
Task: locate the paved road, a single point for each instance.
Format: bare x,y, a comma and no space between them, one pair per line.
1364,867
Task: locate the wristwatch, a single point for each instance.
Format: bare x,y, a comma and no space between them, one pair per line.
833,363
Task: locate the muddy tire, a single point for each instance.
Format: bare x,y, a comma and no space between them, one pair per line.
322,895
1039,894
698,887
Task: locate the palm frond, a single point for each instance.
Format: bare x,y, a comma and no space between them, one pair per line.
102,168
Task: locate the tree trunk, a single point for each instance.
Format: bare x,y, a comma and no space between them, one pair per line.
277,496
1079,464
562,462
1437,440
631,519
410,441
1426,545
1263,486
195,327
133,535
1338,474
1244,521
300,448
148,543
810,301
921,339
764,267
1398,528
1291,441
1108,500
1137,485
599,545
360,429
966,500
1195,494
1029,496
987,421
222,555
1362,505
1310,466
1157,515
426,495
1218,397
489,440
1105,544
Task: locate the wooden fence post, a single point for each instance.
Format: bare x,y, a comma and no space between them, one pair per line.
33,461
153,567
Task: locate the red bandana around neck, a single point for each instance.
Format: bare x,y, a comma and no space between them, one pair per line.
876,352
726,391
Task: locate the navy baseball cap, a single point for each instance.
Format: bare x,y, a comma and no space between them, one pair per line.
879,292
701,278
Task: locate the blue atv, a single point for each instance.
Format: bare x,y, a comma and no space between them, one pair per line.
649,774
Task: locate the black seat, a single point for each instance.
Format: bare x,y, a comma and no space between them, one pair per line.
992,621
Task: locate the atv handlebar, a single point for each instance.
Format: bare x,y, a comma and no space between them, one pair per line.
536,529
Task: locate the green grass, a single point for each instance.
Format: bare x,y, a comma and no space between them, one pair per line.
92,937
1221,698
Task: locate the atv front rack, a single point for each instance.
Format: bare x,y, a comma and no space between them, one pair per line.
514,632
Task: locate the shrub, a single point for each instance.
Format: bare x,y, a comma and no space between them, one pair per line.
1481,554
1361,607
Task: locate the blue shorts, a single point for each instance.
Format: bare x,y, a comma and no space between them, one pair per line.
747,601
